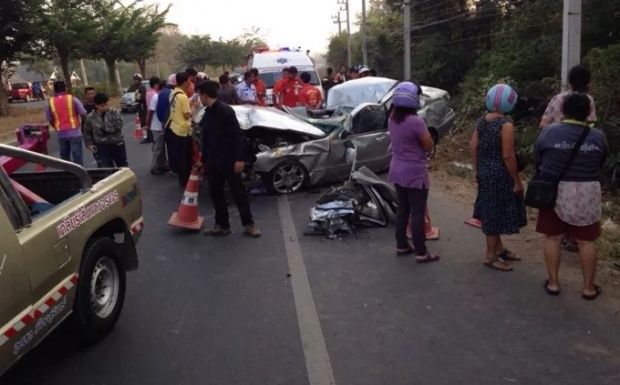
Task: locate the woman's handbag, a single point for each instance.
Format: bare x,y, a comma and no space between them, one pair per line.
542,192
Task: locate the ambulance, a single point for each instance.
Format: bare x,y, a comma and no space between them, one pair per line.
270,63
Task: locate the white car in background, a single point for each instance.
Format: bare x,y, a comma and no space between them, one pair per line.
128,100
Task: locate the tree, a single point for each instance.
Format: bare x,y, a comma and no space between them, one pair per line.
16,37
197,52
145,35
67,29
167,51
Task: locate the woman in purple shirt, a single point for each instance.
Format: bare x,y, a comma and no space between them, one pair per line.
409,169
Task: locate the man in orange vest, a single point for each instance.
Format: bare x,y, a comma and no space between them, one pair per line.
309,96
63,112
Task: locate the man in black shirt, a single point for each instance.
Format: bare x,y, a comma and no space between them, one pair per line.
227,93
223,156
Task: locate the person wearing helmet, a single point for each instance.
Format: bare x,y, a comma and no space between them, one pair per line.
411,141
141,107
499,203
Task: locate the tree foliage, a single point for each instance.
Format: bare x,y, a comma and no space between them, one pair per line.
201,51
17,34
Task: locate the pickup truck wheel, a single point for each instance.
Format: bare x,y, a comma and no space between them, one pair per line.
100,290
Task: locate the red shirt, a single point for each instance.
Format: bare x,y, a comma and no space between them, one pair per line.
290,92
261,92
310,97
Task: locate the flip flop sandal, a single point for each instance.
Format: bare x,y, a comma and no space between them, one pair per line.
491,265
549,291
429,257
404,252
591,297
508,255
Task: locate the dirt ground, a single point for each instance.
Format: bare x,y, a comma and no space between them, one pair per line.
458,183
19,115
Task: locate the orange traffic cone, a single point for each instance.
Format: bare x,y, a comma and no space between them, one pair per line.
186,216
432,233
474,222
138,134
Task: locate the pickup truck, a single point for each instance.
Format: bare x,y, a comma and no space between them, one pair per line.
69,238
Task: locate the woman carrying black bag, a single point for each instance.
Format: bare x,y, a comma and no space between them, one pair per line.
566,189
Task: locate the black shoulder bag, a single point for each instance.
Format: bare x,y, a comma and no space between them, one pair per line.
541,192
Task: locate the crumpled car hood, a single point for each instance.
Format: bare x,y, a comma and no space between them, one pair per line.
251,116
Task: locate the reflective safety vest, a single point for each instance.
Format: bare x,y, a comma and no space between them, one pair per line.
64,115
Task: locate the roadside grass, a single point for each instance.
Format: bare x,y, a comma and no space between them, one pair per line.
19,115
452,164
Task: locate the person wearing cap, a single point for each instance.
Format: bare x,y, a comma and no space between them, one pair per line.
364,71
411,141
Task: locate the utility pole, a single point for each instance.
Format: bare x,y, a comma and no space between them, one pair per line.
571,37
337,20
407,39
363,33
345,7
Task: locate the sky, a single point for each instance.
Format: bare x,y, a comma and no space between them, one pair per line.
309,23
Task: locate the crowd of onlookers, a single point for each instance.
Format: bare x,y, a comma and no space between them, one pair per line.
569,155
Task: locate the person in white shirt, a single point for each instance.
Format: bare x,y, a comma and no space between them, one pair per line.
246,89
158,164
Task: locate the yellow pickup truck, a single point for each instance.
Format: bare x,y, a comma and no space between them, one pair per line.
68,238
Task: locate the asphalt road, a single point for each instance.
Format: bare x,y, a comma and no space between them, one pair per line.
33,104
224,310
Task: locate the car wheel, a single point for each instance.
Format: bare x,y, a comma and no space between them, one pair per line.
287,177
435,137
100,291
28,99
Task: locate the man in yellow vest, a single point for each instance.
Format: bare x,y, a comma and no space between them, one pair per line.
63,112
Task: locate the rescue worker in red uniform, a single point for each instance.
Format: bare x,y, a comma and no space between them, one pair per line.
291,88
64,112
276,93
261,88
309,95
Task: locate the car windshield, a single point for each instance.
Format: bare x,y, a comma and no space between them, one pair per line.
19,86
355,92
270,78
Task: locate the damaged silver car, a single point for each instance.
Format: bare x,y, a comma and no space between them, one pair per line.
375,94
289,154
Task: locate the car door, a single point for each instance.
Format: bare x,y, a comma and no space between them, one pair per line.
16,312
370,137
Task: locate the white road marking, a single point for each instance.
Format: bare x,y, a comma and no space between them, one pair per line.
318,364
2,264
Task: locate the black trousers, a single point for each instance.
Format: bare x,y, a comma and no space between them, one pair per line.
411,209
217,178
111,155
182,148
